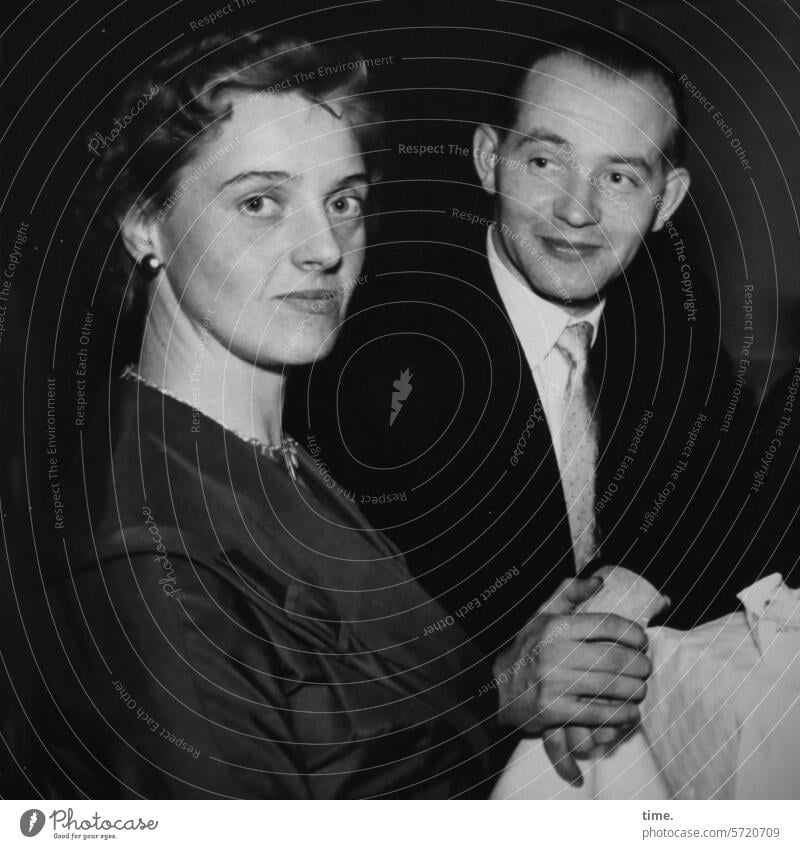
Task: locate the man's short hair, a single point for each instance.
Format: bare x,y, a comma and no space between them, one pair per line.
611,52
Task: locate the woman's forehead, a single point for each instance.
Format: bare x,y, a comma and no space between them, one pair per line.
282,132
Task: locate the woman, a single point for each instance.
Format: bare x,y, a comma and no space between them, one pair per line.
229,625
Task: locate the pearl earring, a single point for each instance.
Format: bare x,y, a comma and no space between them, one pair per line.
149,265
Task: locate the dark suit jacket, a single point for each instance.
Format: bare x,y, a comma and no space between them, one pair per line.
486,529
769,483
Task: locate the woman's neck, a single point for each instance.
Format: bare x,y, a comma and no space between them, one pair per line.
183,357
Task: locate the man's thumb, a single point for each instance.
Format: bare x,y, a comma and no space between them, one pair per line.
581,589
571,592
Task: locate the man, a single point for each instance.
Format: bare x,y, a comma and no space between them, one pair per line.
551,410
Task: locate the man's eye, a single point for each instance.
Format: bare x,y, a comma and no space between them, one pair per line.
347,206
260,205
622,181
539,162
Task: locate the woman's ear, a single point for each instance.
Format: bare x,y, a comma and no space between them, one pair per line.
137,230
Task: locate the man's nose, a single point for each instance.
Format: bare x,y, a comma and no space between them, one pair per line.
576,203
316,246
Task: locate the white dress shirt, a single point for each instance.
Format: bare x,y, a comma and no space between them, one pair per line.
538,324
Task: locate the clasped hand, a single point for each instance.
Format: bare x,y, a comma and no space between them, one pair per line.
575,679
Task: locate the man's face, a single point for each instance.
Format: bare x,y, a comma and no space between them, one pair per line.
577,179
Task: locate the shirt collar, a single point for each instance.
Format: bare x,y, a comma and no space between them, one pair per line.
537,322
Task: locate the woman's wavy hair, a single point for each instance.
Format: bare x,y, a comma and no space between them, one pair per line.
181,99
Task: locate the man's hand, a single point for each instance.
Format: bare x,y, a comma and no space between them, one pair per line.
586,671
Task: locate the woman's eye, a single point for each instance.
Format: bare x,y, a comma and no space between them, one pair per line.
260,205
347,206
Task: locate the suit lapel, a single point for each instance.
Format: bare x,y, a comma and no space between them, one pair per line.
526,427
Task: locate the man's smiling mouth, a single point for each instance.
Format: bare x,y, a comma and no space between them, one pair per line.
566,249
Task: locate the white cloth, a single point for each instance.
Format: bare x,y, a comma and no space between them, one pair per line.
539,324
769,744
722,712
628,772
721,719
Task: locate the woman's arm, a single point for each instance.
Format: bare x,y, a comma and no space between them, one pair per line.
154,701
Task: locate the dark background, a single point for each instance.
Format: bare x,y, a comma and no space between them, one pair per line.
64,63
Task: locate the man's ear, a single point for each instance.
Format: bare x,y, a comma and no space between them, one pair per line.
484,155
138,234
675,190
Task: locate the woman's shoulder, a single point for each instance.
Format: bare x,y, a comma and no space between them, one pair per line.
147,460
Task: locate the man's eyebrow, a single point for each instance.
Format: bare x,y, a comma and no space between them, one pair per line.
540,135
641,163
270,176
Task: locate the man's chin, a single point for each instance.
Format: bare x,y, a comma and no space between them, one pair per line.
585,301
579,298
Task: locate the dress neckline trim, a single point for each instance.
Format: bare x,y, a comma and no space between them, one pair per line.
287,449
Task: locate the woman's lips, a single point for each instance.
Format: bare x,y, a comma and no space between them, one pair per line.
571,251
322,301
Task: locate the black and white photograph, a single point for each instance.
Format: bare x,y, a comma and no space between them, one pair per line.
400,399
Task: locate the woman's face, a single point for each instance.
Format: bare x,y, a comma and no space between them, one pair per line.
262,237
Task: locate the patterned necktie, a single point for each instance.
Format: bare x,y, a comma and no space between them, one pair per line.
578,441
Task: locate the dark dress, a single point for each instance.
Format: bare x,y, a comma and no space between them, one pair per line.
224,630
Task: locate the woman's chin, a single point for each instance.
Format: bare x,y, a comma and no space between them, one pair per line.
300,355
322,350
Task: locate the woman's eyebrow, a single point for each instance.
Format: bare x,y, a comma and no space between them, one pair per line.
359,179
269,176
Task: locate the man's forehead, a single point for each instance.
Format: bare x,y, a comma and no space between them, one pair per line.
582,74
571,92
567,101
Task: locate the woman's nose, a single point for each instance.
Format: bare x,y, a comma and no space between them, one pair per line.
316,245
